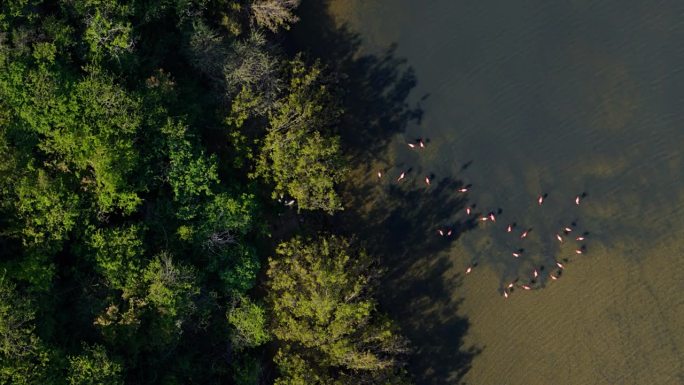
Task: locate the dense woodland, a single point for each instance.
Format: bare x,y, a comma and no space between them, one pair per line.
146,149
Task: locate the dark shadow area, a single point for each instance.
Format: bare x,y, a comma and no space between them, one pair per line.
397,221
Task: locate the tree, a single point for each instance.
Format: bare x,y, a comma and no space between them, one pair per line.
274,14
94,367
24,358
320,293
299,154
249,321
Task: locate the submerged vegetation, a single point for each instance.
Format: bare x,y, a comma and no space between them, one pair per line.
147,149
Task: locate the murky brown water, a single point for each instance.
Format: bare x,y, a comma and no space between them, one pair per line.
534,97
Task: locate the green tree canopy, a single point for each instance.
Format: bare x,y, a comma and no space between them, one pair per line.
320,291
299,154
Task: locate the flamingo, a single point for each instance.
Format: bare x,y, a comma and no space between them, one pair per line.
411,145
484,219
560,265
440,232
540,200
510,285
517,255
505,293
402,176
468,210
379,174
449,233
580,238
579,251
577,200
525,234
421,143
553,277
568,230
526,287
469,269
427,180
492,217
536,273
509,228
462,190
560,239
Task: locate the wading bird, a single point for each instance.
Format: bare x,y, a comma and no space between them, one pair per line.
525,234
379,174
560,239
427,180
540,199
402,176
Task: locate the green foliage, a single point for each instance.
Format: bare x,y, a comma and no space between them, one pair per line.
112,161
170,286
191,175
108,33
298,154
24,359
274,14
118,252
247,371
249,321
94,367
322,306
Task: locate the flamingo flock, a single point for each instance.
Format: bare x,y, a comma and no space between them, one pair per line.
533,281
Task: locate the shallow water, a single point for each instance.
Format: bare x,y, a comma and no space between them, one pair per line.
534,97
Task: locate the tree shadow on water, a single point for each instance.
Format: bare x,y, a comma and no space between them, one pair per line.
397,221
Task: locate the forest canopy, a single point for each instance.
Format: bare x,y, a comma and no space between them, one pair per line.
147,150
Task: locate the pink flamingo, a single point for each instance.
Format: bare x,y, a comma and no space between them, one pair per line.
509,228
505,293
553,277
577,200
568,230
579,251
462,190
526,287
560,239
536,273
402,176
427,180
492,217
484,219
524,234
468,210
440,232
449,233
517,255
469,269
540,200
560,265
411,145
420,142
379,174
580,238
